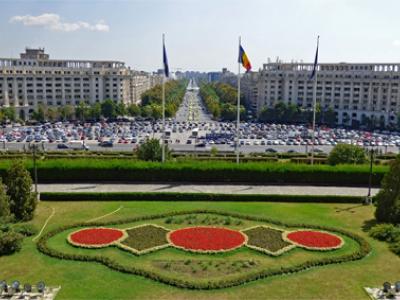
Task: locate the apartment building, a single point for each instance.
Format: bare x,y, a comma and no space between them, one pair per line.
356,91
35,79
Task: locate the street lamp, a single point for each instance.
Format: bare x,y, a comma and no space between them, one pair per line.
34,148
368,200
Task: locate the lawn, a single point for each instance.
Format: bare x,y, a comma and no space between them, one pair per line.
91,280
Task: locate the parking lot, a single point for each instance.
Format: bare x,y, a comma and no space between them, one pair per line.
189,136
191,130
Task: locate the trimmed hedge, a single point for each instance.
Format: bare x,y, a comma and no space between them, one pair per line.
128,170
170,196
364,250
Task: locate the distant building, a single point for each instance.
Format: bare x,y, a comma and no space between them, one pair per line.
35,79
249,89
213,76
356,91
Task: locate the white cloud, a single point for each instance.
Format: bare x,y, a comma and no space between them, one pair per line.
53,22
396,43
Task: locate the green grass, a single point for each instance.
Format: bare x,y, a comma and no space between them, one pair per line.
90,280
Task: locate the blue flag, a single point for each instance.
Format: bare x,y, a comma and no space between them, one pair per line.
315,62
165,61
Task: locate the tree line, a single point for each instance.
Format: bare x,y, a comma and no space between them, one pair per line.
220,100
150,107
291,113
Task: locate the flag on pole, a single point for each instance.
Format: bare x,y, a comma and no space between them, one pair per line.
243,59
165,60
315,61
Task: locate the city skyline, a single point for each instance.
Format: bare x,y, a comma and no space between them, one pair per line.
351,31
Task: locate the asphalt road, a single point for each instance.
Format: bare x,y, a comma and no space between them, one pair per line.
192,108
208,188
93,145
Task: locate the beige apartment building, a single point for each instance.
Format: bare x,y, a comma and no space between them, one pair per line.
35,79
355,91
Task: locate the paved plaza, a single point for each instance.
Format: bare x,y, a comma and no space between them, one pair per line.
208,188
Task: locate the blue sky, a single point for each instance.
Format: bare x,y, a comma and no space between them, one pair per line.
202,34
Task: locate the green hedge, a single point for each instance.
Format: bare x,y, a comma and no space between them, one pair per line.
128,170
165,196
364,250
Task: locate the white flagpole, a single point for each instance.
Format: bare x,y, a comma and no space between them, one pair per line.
238,110
314,106
163,107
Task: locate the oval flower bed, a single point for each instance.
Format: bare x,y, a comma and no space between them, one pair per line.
314,240
206,239
95,237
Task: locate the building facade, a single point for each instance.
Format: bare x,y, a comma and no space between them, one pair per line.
35,79
356,91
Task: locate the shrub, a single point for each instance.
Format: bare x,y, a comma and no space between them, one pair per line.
388,198
347,154
151,150
395,247
77,170
385,232
172,196
25,229
4,202
19,189
10,242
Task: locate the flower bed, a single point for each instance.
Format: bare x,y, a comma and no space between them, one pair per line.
268,240
363,250
145,238
95,237
314,240
206,239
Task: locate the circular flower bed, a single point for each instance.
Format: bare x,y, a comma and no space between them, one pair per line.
95,237
206,239
315,240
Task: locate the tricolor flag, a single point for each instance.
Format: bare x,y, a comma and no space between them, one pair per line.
315,62
243,59
165,60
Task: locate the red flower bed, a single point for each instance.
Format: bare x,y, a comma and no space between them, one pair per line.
96,236
206,239
314,239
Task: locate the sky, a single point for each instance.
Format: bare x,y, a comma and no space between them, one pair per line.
202,35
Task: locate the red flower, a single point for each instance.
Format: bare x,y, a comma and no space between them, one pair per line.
96,236
314,239
207,238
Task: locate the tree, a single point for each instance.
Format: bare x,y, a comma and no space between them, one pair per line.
40,114
10,113
134,110
51,114
66,112
95,111
388,198
330,117
4,202
19,188
82,111
151,150
347,154
156,111
108,109
120,109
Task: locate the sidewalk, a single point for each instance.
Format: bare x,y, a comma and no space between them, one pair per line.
208,188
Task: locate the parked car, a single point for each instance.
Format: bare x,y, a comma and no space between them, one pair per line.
106,144
62,146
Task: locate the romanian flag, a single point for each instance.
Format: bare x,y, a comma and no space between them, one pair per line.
243,59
